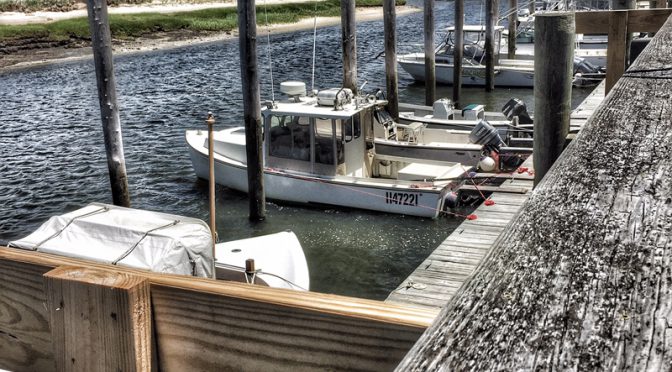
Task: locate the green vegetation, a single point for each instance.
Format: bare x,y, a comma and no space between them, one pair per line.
53,5
128,26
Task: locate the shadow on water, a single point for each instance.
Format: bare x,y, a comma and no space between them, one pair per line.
52,157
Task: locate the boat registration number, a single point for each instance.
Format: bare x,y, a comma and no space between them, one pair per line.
401,198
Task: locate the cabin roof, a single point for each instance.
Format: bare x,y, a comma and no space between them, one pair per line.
309,107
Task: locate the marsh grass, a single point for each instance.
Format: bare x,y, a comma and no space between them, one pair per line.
128,26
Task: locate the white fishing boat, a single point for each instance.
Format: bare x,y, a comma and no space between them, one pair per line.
507,73
316,152
167,243
517,72
481,146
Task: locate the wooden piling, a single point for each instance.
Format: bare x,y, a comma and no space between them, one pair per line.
247,27
619,22
553,63
349,42
490,20
513,28
617,47
458,51
100,321
390,25
430,58
107,98
210,121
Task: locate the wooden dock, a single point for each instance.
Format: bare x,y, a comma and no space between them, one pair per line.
441,275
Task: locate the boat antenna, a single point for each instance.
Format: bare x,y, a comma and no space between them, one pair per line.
268,50
312,82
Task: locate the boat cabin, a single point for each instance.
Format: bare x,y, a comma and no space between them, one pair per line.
302,135
473,43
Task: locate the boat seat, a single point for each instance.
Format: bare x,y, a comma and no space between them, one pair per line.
412,131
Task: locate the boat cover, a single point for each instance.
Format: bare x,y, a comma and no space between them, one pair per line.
128,237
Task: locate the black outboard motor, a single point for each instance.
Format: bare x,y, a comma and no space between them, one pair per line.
516,107
584,67
486,135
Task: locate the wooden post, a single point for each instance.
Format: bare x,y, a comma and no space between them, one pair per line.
430,58
100,320
532,7
553,63
490,19
458,51
513,28
107,98
389,25
349,37
247,27
210,121
617,47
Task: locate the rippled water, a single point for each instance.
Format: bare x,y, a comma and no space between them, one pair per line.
52,156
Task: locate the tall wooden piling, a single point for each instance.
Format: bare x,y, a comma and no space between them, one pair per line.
247,27
349,41
490,20
620,22
553,63
107,98
430,58
513,28
458,51
390,29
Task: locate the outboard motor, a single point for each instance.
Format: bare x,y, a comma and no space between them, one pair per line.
486,135
584,67
516,107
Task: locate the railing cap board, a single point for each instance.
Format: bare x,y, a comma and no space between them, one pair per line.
581,279
641,20
327,303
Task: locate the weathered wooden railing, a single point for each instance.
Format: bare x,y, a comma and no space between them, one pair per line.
64,314
617,24
582,278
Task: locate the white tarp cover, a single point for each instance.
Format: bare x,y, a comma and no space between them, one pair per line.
129,237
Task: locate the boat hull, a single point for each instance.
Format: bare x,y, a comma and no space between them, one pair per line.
471,75
416,199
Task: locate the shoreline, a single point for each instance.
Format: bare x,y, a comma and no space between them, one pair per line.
38,57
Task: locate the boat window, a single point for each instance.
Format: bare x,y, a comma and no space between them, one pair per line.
328,133
289,137
352,128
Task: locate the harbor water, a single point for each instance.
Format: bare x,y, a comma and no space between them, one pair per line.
52,157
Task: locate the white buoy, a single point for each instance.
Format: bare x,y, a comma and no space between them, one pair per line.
487,164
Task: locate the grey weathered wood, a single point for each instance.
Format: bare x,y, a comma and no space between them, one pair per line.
513,22
458,52
553,63
101,41
617,48
349,44
247,27
490,58
390,30
581,278
430,58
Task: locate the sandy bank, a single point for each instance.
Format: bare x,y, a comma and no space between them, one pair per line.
44,56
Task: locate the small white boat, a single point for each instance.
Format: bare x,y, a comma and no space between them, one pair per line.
167,243
517,72
477,147
316,152
507,73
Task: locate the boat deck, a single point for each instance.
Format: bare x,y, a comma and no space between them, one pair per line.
441,275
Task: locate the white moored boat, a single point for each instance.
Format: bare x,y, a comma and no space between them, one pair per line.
171,244
316,152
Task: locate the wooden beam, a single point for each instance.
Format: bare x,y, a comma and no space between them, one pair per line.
256,324
640,20
100,320
617,47
581,278
553,63
25,338
391,79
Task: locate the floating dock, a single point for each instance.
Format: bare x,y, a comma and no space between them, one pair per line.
441,275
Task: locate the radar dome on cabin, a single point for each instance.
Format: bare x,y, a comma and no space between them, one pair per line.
293,89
